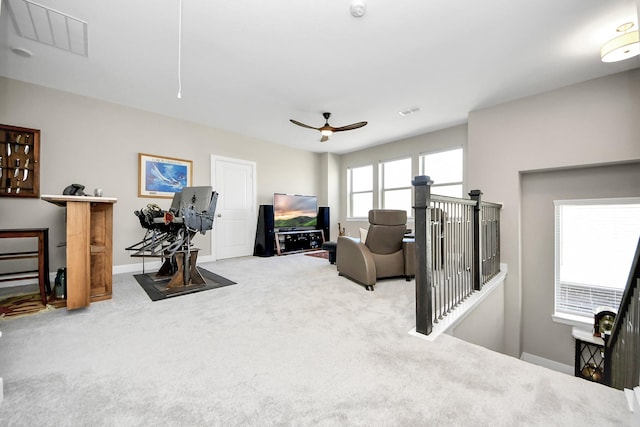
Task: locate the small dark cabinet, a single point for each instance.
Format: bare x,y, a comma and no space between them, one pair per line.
589,356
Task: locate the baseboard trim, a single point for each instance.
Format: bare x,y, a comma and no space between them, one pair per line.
547,363
151,265
117,269
633,400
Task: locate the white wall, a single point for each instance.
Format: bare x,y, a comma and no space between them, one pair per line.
329,194
97,144
484,326
585,124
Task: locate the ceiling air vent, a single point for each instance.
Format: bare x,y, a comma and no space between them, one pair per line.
409,111
42,24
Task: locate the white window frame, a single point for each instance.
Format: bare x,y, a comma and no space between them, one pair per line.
350,192
572,293
436,184
383,189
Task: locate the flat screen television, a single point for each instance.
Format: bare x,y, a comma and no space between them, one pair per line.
295,212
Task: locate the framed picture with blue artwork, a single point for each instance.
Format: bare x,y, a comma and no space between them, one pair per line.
160,176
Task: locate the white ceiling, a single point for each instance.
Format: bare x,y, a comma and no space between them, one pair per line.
249,66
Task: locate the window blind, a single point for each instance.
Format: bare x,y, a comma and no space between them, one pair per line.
595,241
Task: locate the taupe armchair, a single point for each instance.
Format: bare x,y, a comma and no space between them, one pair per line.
385,253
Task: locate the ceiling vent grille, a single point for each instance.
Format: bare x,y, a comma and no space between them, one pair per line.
44,25
409,111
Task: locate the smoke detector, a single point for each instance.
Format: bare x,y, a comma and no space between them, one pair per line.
358,8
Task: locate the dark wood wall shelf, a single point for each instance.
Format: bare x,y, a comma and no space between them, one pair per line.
19,162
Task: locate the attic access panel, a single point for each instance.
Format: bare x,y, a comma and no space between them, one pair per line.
48,26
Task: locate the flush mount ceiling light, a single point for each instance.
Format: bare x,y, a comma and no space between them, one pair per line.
624,46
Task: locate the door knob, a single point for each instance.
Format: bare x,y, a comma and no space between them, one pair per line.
219,215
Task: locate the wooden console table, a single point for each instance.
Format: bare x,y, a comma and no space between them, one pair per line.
89,248
42,234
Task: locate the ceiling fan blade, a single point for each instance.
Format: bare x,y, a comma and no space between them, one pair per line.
324,138
295,122
349,127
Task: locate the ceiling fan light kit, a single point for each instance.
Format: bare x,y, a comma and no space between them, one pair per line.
622,47
327,130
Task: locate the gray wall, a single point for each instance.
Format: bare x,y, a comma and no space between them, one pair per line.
590,123
329,194
540,335
97,144
484,326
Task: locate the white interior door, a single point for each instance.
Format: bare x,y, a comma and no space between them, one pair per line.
235,221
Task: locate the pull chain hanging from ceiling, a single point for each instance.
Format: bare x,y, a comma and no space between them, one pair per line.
180,50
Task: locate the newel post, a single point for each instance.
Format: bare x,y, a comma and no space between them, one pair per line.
424,314
477,255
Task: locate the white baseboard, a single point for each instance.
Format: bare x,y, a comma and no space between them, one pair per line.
117,269
151,265
633,400
547,363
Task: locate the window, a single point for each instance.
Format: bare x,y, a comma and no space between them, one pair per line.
360,189
395,188
445,170
595,241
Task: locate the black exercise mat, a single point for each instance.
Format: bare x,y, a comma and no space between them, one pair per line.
150,285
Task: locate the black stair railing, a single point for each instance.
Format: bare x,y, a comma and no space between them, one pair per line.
457,250
622,347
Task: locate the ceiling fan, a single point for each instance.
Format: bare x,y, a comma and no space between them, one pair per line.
327,130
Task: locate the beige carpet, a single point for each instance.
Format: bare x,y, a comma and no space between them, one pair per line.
292,344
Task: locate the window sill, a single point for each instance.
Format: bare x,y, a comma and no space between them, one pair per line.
366,219
581,322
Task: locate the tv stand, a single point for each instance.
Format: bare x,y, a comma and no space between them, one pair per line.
288,242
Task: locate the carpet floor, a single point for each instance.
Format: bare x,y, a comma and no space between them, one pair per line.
292,344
